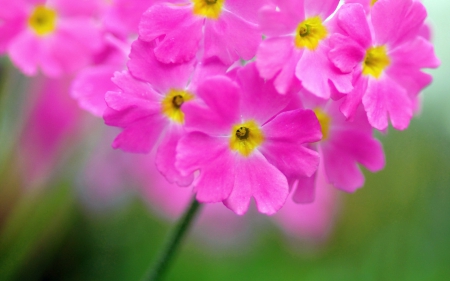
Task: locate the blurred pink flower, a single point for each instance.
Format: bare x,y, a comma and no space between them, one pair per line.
56,36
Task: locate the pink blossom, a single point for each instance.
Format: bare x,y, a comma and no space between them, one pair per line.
297,47
91,84
243,144
387,57
344,145
149,109
223,29
58,36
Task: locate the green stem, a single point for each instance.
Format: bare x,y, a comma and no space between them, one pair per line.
173,243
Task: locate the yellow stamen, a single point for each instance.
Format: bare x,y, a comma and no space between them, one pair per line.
309,33
372,2
208,8
171,104
43,20
376,61
325,122
246,137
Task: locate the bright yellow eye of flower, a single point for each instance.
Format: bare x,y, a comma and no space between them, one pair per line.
376,61
208,8
309,33
246,137
42,20
325,122
372,2
171,104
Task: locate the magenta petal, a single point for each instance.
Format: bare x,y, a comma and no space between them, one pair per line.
255,177
163,77
166,155
24,51
247,10
345,53
181,29
417,53
352,19
260,100
322,8
341,169
230,38
277,56
353,99
135,108
220,109
90,86
383,97
316,72
197,151
397,21
283,139
275,22
305,189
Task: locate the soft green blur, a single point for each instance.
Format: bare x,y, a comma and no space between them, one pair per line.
395,228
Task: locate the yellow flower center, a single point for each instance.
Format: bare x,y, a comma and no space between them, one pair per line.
171,104
246,137
324,121
309,33
376,61
208,8
372,2
42,20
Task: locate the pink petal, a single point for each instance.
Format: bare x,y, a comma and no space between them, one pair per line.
166,156
90,86
345,53
230,38
163,77
248,10
277,55
181,29
212,156
275,22
260,100
322,8
316,72
283,139
383,97
341,169
24,51
353,99
305,190
220,110
352,19
255,177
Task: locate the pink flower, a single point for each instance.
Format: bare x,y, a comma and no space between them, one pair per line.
59,36
243,144
225,29
150,110
297,47
387,62
91,84
344,145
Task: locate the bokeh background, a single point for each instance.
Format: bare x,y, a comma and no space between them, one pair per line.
71,217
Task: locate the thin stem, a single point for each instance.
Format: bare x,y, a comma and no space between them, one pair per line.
173,243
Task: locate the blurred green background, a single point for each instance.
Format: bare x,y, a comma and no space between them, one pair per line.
395,228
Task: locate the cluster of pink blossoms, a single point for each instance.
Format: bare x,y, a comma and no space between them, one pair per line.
239,99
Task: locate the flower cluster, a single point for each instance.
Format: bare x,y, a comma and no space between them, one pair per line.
239,99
